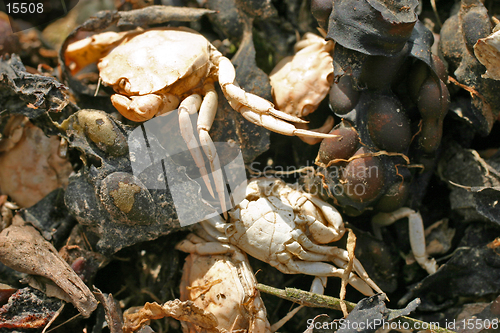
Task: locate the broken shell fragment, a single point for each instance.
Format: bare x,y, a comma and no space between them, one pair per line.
487,51
224,285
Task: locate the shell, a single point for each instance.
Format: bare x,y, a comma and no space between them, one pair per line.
224,285
487,51
265,220
302,81
155,59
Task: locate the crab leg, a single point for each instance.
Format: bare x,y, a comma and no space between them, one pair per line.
360,270
299,252
318,285
340,256
325,128
324,269
190,106
204,248
417,237
257,109
206,118
321,269
215,227
277,125
334,251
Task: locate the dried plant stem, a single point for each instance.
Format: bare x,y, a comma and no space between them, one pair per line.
351,246
434,9
306,298
321,301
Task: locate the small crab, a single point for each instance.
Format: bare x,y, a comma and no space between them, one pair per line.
300,82
287,228
222,284
158,70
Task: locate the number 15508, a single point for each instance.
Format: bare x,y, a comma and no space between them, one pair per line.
24,8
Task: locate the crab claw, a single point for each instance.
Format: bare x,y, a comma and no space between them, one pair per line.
325,128
285,116
142,108
335,229
257,109
206,117
277,125
89,50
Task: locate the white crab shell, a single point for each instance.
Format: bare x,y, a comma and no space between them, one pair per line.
300,82
224,285
263,223
154,60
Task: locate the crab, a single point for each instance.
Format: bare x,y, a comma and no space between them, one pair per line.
416,230
288,229
157,70
222,284
300,82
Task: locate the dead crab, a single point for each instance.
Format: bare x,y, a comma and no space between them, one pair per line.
158,70
416,230
222,284
300,82
286,228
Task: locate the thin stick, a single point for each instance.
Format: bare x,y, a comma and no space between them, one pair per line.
306,298
67,321
58,312
351,246
434,9
321,301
